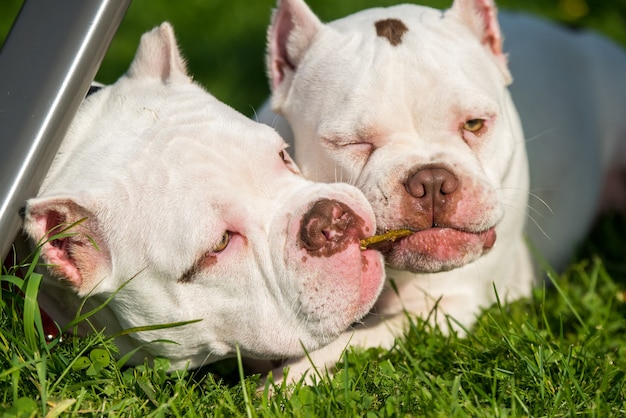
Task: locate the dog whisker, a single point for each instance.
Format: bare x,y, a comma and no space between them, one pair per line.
534,196
535,211
256,116
530,216
540,135
534,221
545,204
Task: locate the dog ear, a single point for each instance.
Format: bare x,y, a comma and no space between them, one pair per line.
158,56
481,17
289,36
72,243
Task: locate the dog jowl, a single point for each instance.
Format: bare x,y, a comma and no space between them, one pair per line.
206,214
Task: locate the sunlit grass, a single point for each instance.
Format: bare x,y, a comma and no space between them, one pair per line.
561,353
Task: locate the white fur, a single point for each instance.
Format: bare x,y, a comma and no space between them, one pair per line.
161,170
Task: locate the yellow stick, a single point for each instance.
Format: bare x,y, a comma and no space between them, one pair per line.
391,236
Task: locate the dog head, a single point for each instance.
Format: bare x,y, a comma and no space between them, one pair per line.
411,105
206,214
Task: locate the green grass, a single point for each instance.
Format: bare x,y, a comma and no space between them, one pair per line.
561,353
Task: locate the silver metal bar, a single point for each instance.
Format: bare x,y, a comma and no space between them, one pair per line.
47,63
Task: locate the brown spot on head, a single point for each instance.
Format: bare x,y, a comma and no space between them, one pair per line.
392,29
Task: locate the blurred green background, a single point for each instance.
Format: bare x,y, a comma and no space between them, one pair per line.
224,41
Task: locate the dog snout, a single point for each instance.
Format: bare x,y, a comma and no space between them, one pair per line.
432,187
328,228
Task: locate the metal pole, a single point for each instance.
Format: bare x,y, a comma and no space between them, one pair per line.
47,63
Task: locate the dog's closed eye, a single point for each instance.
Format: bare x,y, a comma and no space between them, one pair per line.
357,146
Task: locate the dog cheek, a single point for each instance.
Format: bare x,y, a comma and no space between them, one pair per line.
476,209
335,295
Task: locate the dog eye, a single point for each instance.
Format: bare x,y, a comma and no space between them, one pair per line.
223,243
474,125
289,163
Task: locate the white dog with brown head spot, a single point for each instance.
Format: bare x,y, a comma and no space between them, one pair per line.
204,214
411,105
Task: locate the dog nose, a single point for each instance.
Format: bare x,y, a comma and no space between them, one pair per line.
432,186
328,228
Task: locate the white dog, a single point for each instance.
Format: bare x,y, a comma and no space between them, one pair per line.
411,105
205,213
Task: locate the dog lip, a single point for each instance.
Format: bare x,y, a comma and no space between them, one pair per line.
438,249
436,227
489,237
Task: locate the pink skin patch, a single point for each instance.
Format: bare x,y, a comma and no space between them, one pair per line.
329,237
372,272
348,290
56,254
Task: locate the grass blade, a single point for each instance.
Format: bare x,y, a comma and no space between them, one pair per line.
246,397
32,316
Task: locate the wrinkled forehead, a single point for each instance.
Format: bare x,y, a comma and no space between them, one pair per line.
151,138
212,136
412,16
180,126
414,39
184,163
419,60
206,144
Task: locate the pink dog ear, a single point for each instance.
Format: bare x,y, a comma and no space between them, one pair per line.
78,255
289,36
158,56
481,17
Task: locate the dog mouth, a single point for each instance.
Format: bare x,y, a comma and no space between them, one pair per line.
434,249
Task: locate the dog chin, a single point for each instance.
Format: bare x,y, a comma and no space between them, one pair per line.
438,249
